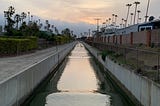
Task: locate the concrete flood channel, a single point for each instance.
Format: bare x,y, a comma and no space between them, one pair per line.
77,82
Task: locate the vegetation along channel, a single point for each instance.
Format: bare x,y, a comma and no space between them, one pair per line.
79,81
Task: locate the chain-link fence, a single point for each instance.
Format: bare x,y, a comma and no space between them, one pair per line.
142,62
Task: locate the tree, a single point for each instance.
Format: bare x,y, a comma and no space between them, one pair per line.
151,18
66,32
10,22
23,16
47,27
56,30
17,19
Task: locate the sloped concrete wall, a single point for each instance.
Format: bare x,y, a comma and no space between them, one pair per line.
15,89
145,90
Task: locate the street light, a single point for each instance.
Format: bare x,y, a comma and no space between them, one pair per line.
112,18
136,3
131,18
97,19
147,11
128,5
116,19
138,16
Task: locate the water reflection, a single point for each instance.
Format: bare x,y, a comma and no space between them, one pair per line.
78,83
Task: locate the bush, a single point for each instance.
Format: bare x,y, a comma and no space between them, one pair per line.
15,45
104,54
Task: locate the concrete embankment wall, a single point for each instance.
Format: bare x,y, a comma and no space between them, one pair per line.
17,88
144,90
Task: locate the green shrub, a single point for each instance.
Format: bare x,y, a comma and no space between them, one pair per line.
16,45
104,54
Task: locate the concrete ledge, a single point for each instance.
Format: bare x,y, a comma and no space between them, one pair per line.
16,88
144,90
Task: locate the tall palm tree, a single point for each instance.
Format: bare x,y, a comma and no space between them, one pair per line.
136,4
10,22
17,19
11,10
23,16
147,11
131,18
128,5
56,30
138,11
31,18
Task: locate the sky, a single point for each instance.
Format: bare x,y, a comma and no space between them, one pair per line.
79,13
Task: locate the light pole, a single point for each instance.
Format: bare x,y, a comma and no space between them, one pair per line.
116,19
138,16
131,18
109,21
147,11
128,5
140,20
97,20
136,3
122,22
112,18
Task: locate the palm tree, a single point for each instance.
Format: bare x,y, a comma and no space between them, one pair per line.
8,15
128,5
147,11
23,16
131,18
11,11
17,19
31,18
138,16
56,30
136,3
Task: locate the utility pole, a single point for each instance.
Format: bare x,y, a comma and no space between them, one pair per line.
147,11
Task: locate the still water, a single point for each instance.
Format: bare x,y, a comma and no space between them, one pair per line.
78,84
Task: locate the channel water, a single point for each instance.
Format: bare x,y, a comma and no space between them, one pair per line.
75,84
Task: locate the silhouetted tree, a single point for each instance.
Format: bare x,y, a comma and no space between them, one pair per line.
23,16
17,19
10,22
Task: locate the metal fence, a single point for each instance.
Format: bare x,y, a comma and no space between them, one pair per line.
142,62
